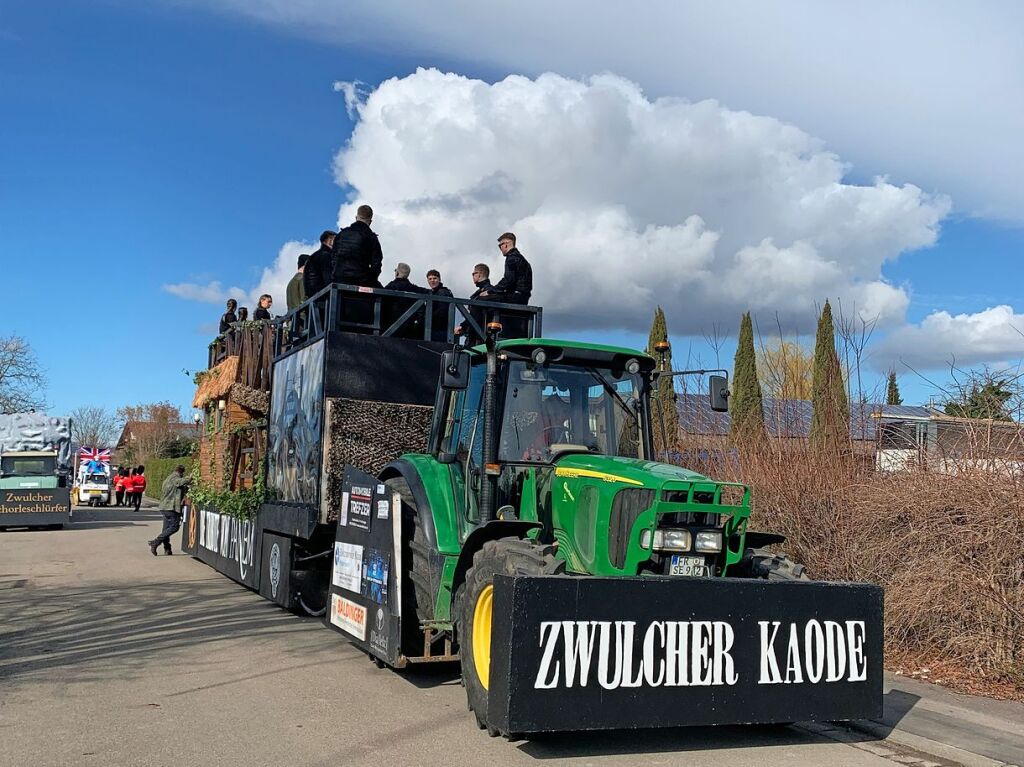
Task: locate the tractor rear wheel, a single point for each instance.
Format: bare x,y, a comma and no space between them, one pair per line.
474,605
419,589
761,563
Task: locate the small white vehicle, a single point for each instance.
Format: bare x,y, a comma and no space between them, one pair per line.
93,490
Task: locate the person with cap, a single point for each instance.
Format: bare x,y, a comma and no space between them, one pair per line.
316,275
172,494
295,293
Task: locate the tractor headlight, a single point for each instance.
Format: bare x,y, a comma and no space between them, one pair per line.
632,366
665,540
708,541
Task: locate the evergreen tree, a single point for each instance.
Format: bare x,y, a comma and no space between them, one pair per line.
746,407
663,403
830,409
985,399
892,394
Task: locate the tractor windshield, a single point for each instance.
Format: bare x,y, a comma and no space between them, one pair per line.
547,406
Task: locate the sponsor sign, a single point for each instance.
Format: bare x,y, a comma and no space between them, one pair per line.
378,632
343,513
576,653
275,582
364,572
359,506
375,576
348,565
348,616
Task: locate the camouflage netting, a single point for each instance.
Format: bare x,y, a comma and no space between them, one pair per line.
368,435
251,399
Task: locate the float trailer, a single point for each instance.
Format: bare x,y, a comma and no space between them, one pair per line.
499,506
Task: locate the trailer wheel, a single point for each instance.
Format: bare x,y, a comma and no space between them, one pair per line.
761,563
474,605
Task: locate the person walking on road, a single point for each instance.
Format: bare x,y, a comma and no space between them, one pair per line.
139,486
129,488
172,493
119,487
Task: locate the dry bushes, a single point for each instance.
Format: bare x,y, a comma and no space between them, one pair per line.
948,548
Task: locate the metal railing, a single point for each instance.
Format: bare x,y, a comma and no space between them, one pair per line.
393,313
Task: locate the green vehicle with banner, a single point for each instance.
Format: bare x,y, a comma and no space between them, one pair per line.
527,531
35,466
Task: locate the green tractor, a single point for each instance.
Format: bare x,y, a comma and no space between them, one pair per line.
541,463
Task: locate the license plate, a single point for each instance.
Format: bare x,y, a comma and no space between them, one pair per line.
95,492
681,565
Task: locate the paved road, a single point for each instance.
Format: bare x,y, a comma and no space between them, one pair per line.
109,656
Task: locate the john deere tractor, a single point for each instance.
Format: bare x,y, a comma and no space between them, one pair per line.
541,463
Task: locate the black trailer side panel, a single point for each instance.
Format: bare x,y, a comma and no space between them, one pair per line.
228,544
364,603
382,369
582,653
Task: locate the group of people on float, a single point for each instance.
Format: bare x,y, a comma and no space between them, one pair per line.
353,256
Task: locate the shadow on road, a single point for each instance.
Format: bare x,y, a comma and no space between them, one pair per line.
670,740
106,632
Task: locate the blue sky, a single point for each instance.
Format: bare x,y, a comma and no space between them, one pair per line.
147,147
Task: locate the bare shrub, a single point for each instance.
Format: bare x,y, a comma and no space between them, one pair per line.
947,547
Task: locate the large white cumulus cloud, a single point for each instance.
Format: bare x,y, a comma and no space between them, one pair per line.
621,201
993,335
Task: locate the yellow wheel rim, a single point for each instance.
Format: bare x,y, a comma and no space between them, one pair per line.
482,635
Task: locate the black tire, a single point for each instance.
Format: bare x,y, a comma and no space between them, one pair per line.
507,556
763,564
421,579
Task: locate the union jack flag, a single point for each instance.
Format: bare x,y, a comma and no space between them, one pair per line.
92,454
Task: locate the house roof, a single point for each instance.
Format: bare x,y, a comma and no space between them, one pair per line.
132,430
790,418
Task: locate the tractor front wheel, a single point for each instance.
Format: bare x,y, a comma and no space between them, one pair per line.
761,563
474,608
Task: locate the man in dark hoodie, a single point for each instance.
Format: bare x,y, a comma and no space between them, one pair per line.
439,323
316,275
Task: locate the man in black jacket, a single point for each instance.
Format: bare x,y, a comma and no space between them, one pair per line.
439,321
356,256
395,307
482,281
402,282
516,286
318,266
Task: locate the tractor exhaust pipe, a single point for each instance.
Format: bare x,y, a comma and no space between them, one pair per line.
489,481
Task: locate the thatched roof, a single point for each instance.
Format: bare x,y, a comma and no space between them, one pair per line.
216,382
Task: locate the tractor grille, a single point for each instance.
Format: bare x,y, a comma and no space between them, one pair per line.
686,518
628,504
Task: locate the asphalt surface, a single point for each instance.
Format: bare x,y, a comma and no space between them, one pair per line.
109,656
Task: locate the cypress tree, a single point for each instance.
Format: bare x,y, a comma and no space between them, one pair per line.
746,407
664,400
830,409
892,393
